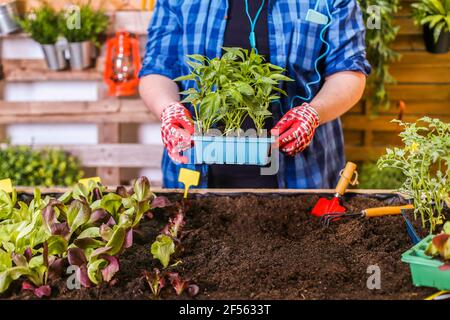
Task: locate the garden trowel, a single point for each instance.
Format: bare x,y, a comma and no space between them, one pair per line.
189,178
326,206
367,213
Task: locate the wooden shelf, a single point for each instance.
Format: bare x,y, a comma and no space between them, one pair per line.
105,111
16,35
36,70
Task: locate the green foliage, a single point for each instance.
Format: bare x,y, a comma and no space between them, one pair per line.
28,167
379,53
425,161
440,245
434,13
230,88
37,239
41,24
371,177
162,249
93,23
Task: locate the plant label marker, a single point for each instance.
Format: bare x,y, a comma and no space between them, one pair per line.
85,182
6,185
189,178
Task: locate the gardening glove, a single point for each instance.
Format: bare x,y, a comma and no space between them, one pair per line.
176,130
296,129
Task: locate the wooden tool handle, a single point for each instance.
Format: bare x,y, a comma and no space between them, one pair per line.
346,178
386,211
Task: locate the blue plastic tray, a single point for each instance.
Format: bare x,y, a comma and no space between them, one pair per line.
231,150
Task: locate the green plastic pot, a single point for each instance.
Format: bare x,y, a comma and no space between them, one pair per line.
425,269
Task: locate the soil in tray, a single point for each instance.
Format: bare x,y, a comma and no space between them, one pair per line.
253,247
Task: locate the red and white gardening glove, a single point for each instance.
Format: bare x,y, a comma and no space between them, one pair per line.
176,130
296,129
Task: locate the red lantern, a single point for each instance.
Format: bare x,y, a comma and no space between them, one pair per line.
122,65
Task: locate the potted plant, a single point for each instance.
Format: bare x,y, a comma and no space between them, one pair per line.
434,16
429,260
82,26
227,90
8,14
41,24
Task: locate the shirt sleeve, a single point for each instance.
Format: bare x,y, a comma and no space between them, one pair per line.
164,35
346,37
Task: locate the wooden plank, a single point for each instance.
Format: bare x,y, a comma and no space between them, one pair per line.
422,59
429,108
115,155
225,192
58,108
383,139
408,42
410,92
109,133
110,110
404,11
380,123
36,70
407,26
354,153
354,137
89,118
107,5
421,74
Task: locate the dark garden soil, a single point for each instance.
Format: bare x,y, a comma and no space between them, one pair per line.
254,247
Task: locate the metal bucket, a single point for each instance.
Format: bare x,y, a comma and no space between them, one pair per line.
81,55
8,14
55,57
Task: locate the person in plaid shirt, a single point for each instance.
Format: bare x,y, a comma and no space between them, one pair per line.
309,133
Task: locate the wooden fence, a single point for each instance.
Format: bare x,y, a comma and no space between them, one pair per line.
423,84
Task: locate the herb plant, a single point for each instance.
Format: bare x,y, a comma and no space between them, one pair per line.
425,161
240,84
435,14
41,24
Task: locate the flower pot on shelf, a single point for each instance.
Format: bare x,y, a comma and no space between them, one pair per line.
231,150
8,12
441,46
425,270
82,55
54,56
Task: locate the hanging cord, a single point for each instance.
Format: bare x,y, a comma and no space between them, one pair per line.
316,63
253,23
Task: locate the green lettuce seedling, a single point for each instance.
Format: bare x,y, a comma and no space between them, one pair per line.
440,245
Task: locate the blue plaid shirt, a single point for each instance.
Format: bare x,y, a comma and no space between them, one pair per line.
179,28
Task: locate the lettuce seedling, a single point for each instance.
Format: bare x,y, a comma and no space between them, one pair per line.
162,249
181,285
155,281
175,226
440,245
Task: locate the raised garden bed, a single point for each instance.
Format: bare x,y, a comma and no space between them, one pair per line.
266,247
